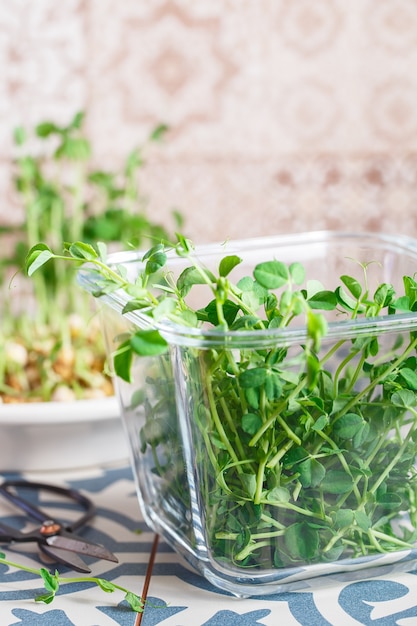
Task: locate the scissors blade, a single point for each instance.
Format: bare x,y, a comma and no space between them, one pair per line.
66,558
72,544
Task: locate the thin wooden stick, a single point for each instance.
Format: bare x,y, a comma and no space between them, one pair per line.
148,577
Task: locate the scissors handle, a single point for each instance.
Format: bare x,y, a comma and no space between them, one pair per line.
7,490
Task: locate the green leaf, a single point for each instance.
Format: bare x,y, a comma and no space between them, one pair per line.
148,343
271,302
337,482
47,598
101,179
410,287
249,483
410,377
294,456
102,251
389,501
290,377
372,348
254,377
320,423
348,425
164,308
228,263
50,580
345,300
138,398
363,520
189,318
298,303
344,518
216,441
135,603
271,274
404,398
252,397
246,284
191,276
297,273
324,300
154,431
37,257
134,305
285,301
158,132
334,553
316,327
74,149
251,423
122,361
105,585
230,310
361,435
273,386
302,541
184,246
402,304
153,250
278,494
353,286
155,262
384,294
243,539
45,129
84,251
245,322
77,121
311,472
252,299
19,136
313,287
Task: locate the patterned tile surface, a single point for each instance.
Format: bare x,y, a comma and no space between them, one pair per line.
177,596
285,115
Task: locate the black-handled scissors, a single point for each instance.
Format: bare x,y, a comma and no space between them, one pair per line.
57,540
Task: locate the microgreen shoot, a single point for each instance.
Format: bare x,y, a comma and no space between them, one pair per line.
53,581
303,453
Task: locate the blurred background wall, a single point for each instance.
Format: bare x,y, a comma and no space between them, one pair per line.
285,115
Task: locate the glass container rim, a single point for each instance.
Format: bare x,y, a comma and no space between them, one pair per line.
344,329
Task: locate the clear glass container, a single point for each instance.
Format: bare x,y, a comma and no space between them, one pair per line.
262,462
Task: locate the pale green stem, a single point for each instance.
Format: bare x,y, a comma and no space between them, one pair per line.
259,481
395,459
377,380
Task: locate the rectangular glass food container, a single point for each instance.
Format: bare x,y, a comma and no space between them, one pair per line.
260,473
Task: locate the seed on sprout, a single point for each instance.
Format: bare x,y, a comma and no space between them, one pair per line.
16,353
63,394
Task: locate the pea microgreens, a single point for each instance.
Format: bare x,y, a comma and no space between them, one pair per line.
61,195
52,582
304,453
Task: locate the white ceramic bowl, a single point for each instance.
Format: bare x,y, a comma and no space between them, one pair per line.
53,436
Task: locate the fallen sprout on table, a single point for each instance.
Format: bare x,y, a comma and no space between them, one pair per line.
53,581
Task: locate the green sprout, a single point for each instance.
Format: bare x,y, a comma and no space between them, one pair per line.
53,581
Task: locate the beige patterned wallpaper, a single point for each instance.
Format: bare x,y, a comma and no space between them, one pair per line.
285,115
